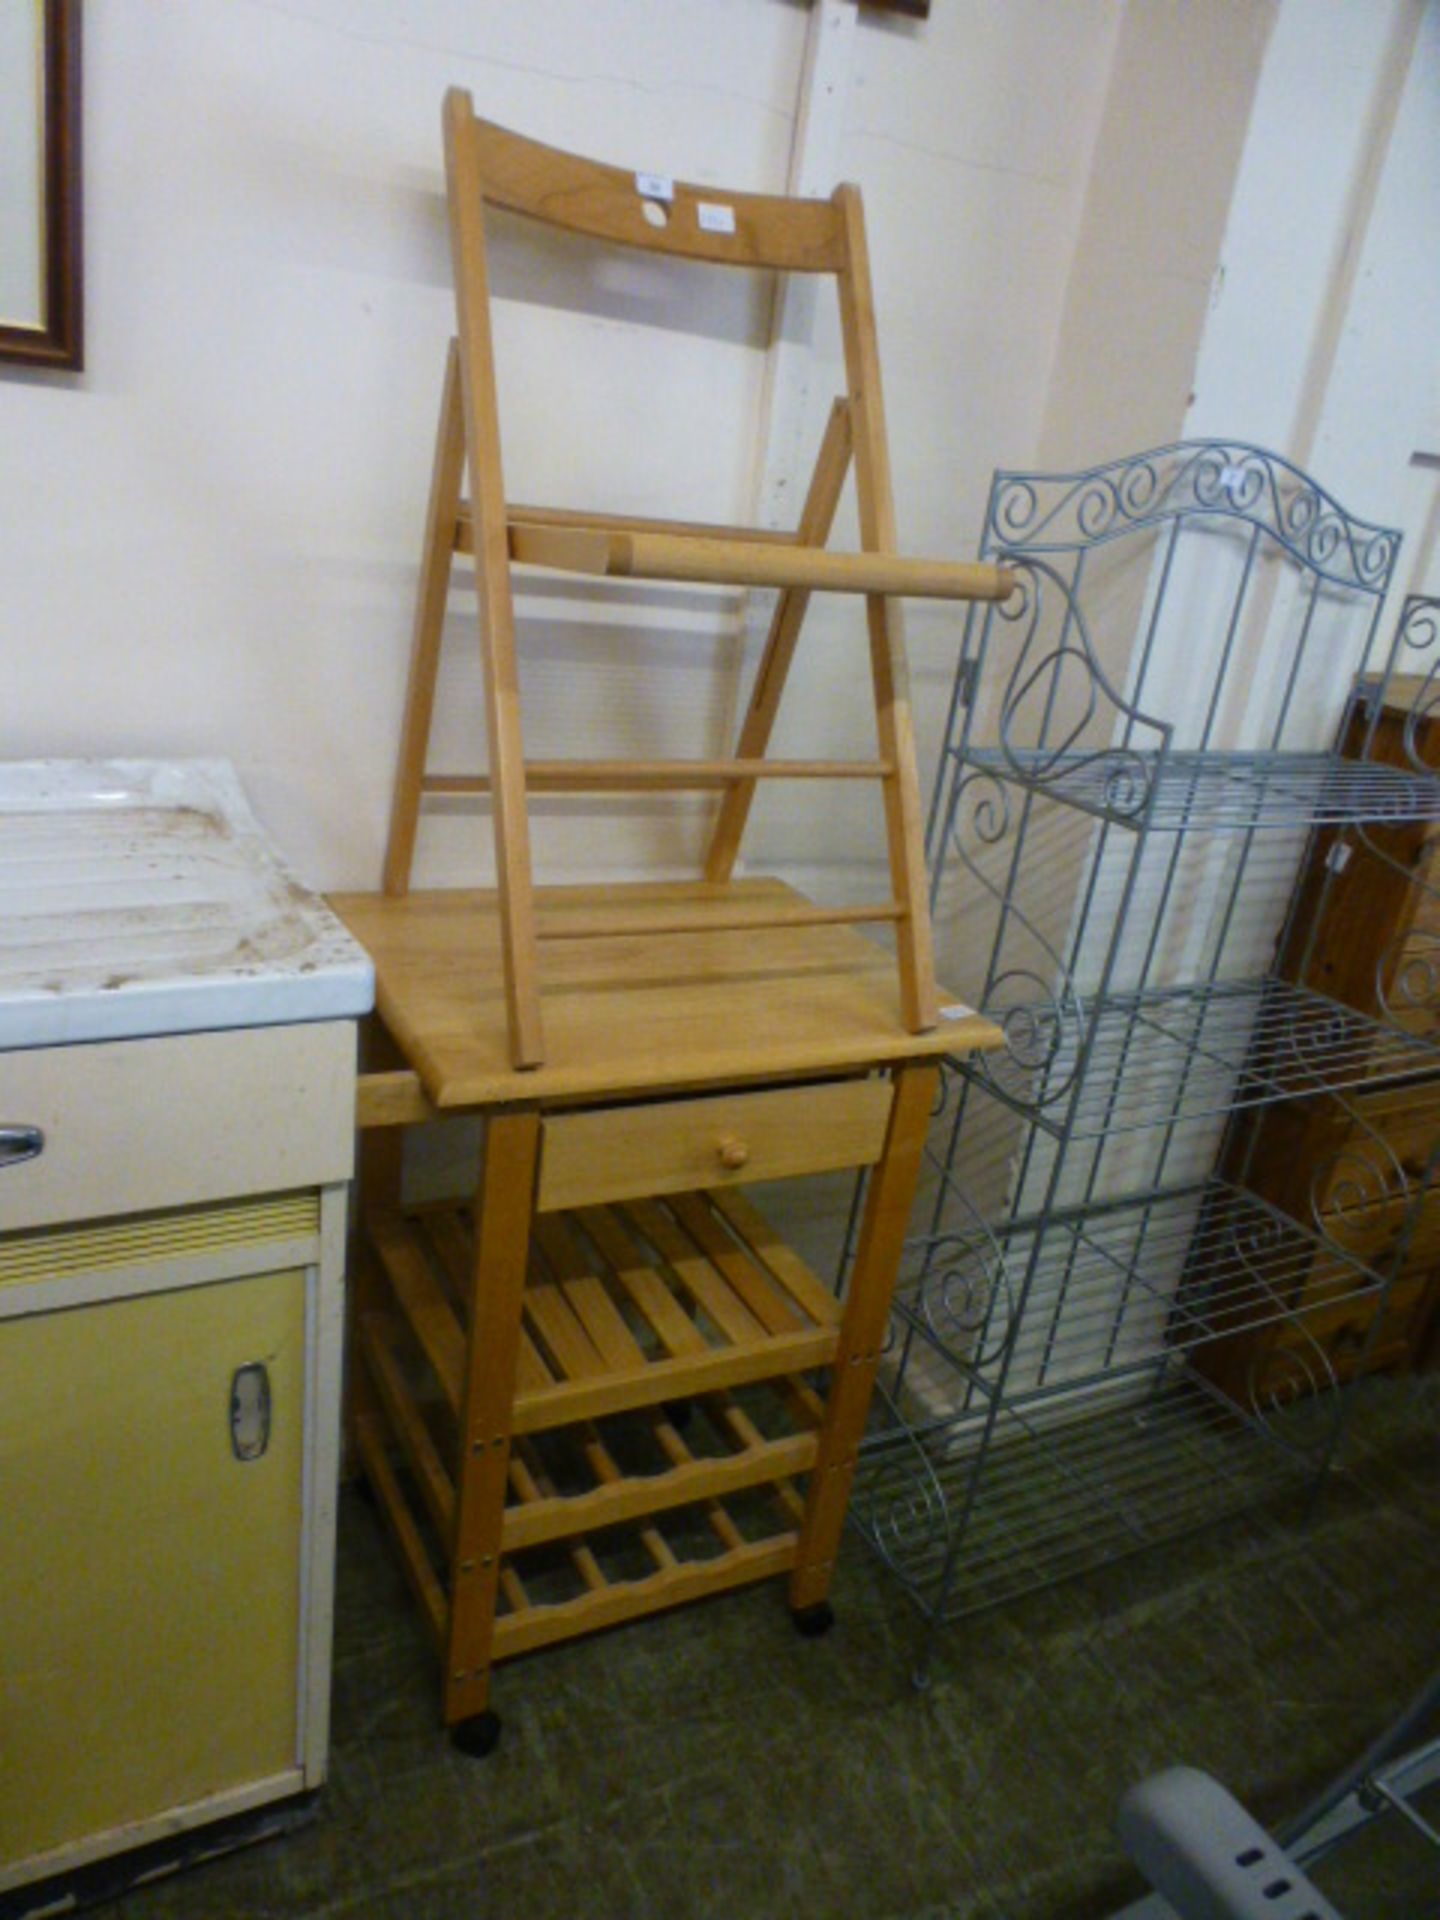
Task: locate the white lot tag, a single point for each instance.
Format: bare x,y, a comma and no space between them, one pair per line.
1338,857
956,1012
715,218
655,186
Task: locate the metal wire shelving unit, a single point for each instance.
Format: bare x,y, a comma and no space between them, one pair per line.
1133,775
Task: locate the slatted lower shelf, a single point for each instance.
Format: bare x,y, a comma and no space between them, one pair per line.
660,1417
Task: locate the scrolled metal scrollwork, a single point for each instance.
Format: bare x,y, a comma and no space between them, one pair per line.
982,805
1053,513
964,1297
900,1503
1416,651
1351,1186
1407,982
1290,1389
1039,1010
1058,695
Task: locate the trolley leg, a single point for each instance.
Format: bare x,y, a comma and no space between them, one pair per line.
502,1248
862,1335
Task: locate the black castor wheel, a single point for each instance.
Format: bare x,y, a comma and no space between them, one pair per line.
813,1621
478,1735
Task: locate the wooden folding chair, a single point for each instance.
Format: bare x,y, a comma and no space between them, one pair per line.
487,166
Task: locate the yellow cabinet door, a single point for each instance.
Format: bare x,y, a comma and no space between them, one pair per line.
149,1575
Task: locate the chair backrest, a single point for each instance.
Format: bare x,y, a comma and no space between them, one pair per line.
638,209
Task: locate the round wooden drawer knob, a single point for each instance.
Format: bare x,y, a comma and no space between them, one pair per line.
732,1151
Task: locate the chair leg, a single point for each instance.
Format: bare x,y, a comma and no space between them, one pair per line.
430,605
513,882
816,518
502,1250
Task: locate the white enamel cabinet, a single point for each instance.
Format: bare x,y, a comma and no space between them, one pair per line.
170,1332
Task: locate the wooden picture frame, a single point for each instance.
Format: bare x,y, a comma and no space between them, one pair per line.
52,335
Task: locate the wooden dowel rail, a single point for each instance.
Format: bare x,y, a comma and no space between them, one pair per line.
716,560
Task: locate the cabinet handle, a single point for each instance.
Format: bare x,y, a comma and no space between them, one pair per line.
250,1411
732,1151
18,1144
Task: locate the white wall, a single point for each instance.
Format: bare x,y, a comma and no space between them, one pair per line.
208,542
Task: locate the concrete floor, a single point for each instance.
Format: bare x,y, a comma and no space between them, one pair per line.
713,1763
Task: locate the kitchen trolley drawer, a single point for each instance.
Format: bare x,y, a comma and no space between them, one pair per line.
674,1146
132,1126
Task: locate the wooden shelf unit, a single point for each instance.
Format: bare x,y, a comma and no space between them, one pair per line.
649,1332
603,1385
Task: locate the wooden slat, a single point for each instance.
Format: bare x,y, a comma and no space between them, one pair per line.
613,1348
407,1424
593,1307
414,1560
775,1311
532,1375
671,1325
754,563
644,776
522,1478
673,1446
560,1333
569,1401
642,926
805,1404
695,1273
724,1411
816,519
689,1580
513,1588
452,1248
536,1489
602,1465
418,1295
686,1484
809,1292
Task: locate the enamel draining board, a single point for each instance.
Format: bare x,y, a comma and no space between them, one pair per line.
142,897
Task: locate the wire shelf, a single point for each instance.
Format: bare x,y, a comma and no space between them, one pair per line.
1219,792
1176,1055
1121,1471
1115,1285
